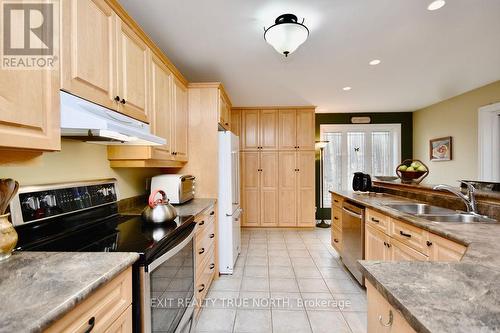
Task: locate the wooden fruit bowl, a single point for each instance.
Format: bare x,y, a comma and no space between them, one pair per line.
411,177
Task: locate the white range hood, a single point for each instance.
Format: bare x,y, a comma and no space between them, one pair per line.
89,122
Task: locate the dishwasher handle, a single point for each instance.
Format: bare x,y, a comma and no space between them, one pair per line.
354,214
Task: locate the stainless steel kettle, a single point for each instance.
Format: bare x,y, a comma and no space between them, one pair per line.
158,210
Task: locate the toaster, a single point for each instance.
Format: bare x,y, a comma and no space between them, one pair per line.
178,188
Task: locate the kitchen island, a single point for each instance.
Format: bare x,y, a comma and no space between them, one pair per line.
461,296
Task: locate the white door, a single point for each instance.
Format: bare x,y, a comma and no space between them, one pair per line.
374,149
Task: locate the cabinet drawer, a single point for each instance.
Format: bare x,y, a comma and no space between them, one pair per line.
377,220
412,236
204,218
204,277
337,238
402,252
102,308
337,200
337,216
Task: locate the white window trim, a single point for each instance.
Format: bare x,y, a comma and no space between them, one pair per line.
489,142
344,128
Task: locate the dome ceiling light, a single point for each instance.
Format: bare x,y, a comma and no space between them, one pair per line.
287,34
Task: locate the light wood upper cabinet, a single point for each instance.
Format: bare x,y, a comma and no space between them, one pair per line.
29,109
180,129
236,124
305,129
268,129
88,55
287,129
224,110
287,189
306,196
133,73
161,106
250,126
269,188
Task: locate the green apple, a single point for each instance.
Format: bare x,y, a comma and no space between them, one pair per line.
402,168
415,165
410,168
422,168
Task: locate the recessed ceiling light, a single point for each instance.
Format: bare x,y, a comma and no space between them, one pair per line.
346,88
375,62
435,5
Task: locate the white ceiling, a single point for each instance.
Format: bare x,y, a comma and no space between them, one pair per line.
426,56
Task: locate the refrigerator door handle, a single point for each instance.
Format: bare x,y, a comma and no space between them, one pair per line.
236,213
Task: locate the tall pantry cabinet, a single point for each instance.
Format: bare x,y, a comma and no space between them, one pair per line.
277,166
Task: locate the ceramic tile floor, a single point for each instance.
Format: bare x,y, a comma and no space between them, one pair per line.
285,281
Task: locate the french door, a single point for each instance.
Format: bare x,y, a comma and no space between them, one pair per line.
374,149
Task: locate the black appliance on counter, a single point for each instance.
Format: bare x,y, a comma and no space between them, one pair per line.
361,182
84,216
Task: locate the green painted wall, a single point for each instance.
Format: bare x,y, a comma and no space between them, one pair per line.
403,118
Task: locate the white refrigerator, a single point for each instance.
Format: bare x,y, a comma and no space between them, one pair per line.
229,201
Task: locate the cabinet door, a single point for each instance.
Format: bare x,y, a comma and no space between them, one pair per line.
250,183
133,73
287,189
88,66
306,196
123,324
287,129
268,129
161,107
250,127
442,249
305,129
236,123
375,244
401,252
180,123
224,111
29,109
269,188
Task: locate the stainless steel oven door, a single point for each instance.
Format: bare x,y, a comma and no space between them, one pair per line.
167,289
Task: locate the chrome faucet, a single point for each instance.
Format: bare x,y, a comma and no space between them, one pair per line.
469,199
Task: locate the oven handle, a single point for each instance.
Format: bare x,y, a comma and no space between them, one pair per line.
350,212
170,253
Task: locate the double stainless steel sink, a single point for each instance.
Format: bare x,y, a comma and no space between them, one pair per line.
438,214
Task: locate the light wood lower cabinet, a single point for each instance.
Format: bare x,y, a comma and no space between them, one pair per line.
405,242
106,310
259,176
206,266
382,317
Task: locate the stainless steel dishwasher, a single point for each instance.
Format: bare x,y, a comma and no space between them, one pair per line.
353,235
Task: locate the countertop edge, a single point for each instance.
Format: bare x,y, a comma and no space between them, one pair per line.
66,307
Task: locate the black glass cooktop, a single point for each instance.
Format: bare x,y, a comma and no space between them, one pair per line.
92,232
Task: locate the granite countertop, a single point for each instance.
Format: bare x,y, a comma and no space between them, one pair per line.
37,288
192,207
441,297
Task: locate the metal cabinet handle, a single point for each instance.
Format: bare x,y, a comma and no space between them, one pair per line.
117,98
123,101
404,234
211,236
202,222
202,288
202,250
429,243
91,325
375,220
389,245
335,218
335,201
212,265
335,240
389,322
212,213
385,243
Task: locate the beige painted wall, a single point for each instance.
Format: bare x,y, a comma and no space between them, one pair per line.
456,117
78,161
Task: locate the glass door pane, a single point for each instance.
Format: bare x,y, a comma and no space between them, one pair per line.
332,166
355,155
382,156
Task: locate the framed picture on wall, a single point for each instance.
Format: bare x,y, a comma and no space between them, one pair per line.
441,149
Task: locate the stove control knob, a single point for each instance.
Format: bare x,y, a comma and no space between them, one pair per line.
50,200
31,203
